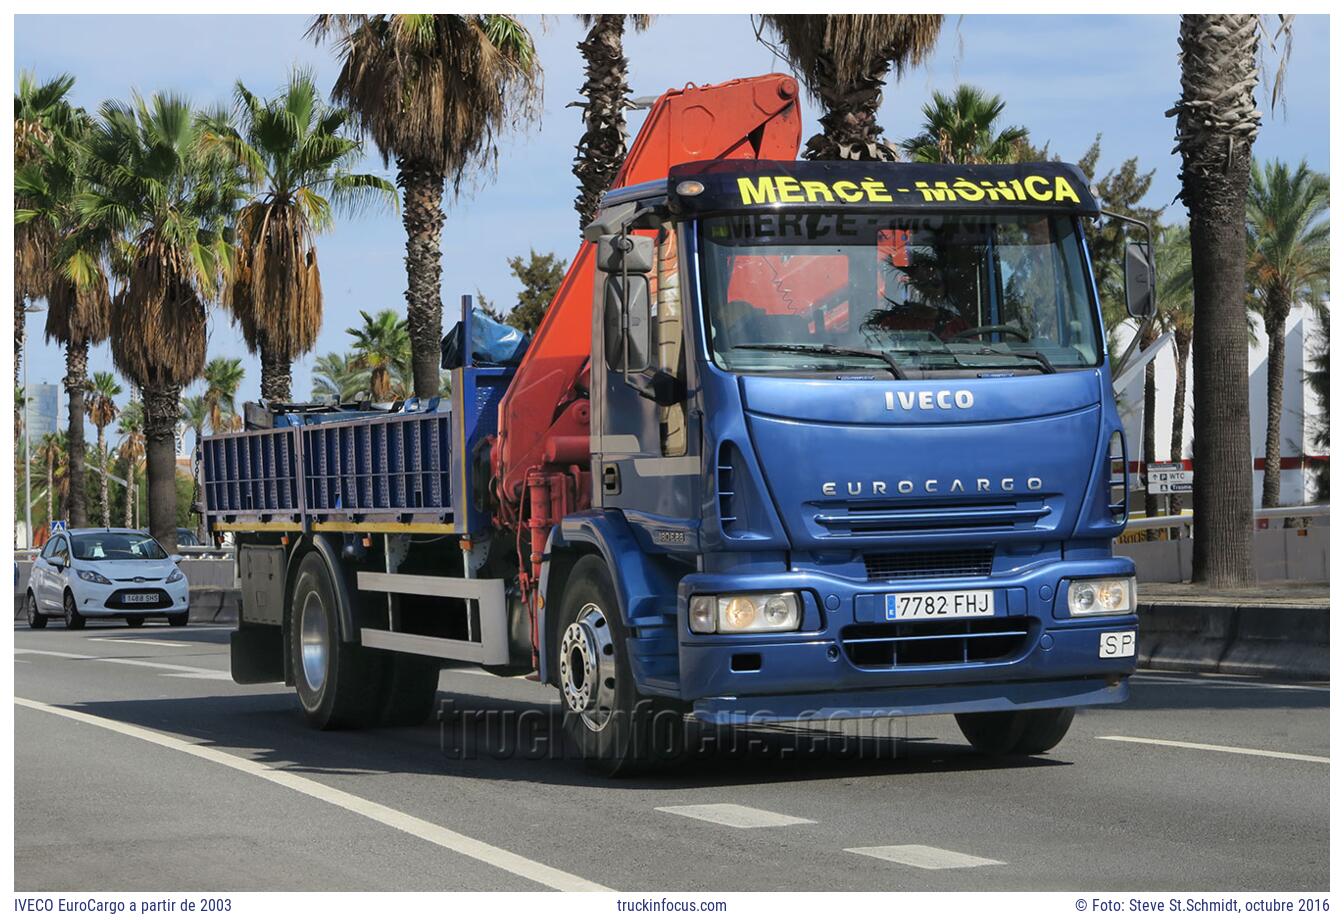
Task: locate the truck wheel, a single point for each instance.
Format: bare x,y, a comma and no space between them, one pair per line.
1025,732
615,729
35,619
337,682
410,689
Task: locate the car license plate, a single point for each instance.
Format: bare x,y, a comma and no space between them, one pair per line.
933,604
140,598
1117,644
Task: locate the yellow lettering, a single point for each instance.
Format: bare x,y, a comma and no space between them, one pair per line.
1038,187
968,190
789,190
817,191
848,191
937,192
759,191
1064,191
876,190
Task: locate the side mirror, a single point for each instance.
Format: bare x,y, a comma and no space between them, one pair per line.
664,389
1140,281
176,558
627,261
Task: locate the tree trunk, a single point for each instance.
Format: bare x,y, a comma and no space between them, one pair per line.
196,473
128,516
276,377
1178,406
849,128
1149,429
102,478
76,382
1276,318
161,408
1216,124
20,316
51,492
423,220
601,149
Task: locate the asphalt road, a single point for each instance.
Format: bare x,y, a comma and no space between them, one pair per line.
140,766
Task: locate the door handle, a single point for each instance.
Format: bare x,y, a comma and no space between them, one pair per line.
611,479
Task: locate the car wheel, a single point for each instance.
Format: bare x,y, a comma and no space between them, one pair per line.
178,619
135,621
35,619
1022,733
73,620
337,682
618,731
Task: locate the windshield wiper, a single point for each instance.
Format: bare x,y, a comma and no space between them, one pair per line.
837,350
1046,365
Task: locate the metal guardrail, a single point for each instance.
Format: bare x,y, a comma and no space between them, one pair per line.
1188,519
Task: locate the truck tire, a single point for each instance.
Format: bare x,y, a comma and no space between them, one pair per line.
617,731
410,689
1022,733
337,682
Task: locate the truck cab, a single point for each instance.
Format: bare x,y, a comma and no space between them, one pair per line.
854,450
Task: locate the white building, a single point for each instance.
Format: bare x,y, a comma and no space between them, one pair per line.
1300,407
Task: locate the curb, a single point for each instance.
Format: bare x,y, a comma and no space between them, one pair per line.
1290,643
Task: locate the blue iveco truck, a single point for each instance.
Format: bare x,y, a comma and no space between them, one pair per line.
796,441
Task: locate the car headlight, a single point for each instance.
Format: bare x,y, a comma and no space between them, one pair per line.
91,575
744,613
1099,597
176,576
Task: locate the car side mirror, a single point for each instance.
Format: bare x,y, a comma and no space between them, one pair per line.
1140,281
176,558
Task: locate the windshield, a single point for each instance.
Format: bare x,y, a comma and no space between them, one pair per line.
897,295
116,546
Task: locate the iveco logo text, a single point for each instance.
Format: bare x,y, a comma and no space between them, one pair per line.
931,399
928,486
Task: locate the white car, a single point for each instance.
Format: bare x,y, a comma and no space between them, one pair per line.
105,573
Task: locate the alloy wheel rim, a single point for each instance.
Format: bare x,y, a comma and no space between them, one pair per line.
588,668
313,640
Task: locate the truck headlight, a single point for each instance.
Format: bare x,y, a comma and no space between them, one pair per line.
90,575
1099,597
745,613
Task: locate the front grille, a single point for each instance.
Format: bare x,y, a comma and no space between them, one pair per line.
950,563
885,646
118,599
882,519
139,580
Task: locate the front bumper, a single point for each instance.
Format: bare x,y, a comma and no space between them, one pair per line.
95,600
815,674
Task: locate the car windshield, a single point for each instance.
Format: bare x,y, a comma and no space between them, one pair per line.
951,293
116,546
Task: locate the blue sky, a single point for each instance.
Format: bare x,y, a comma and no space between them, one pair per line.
1066,78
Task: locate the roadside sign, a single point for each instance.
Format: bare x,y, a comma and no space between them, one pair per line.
57,526
1170,478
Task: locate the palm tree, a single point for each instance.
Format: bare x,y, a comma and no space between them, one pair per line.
1216,125
605,91
337,377
1288,232
433,91
223,379
381,345
161,201
195,414
50,184
131,450
298,160
843,60
102,408
52,454
963,128
1176,314
41,111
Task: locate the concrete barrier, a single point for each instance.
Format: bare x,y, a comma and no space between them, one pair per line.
1288,643
1278,555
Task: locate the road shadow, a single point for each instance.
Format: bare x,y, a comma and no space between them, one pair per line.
269,728
1178,695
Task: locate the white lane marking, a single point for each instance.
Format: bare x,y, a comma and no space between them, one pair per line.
922,857
140,641
1222,748
185,670
398,820
1247,684
734,815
